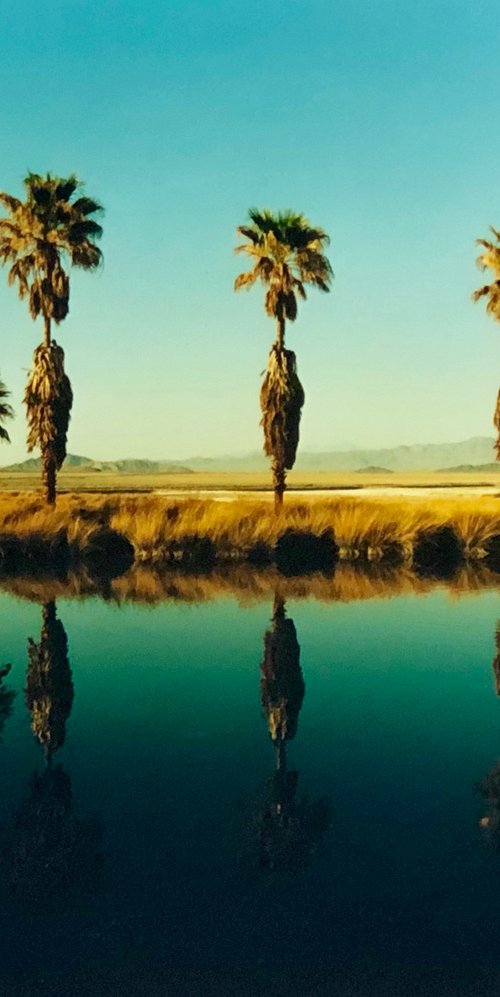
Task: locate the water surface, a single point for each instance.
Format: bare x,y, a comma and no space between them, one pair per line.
189,806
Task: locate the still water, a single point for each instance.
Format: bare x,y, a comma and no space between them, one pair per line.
210,799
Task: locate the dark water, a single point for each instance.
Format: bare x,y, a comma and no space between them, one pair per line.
168,845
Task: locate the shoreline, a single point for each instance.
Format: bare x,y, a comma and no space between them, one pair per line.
109,532
231,494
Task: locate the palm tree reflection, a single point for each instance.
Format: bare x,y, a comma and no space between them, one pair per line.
7,697
496,660
290,828
50,848
489,785
49,685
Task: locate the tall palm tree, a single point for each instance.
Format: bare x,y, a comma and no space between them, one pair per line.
287,253
51,227
489,259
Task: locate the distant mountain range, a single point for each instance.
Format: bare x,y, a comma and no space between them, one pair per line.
77,463
468,455
420,457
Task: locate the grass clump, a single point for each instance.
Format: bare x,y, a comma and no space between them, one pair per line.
195,532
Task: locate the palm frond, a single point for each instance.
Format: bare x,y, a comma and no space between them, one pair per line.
11,203
87,256
246,279
65,189
81,231
299,287
6,411
87,206
249,233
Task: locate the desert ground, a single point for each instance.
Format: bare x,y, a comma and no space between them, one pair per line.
319,484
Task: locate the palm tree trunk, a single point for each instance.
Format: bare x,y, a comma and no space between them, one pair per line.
278,468
279,479
49,470
278,608
48,613
46,337
280,756
280,333
496,423
49,474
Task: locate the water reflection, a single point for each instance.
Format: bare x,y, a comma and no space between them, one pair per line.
7,697
49,848
290,828
143,584
49,686
496,660
489,785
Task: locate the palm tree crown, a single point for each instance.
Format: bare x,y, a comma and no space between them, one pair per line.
288,254
490,260
39,233
6,412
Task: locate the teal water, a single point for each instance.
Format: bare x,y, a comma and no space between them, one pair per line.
160,840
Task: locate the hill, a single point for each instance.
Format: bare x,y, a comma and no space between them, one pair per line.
474,454
417,457
75,462
373,469
493,468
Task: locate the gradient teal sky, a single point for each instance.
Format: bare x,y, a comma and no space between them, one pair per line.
378,120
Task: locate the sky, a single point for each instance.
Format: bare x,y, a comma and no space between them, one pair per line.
378,121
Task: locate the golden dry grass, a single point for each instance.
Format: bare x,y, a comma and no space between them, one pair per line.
365,529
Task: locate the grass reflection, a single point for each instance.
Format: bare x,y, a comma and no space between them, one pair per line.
249,585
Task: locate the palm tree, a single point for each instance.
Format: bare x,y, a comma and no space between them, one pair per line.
37,235
6,412
489,259
287,253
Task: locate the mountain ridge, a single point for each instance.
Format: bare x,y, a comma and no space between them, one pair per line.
472,454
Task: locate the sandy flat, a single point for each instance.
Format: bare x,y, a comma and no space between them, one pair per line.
373,491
